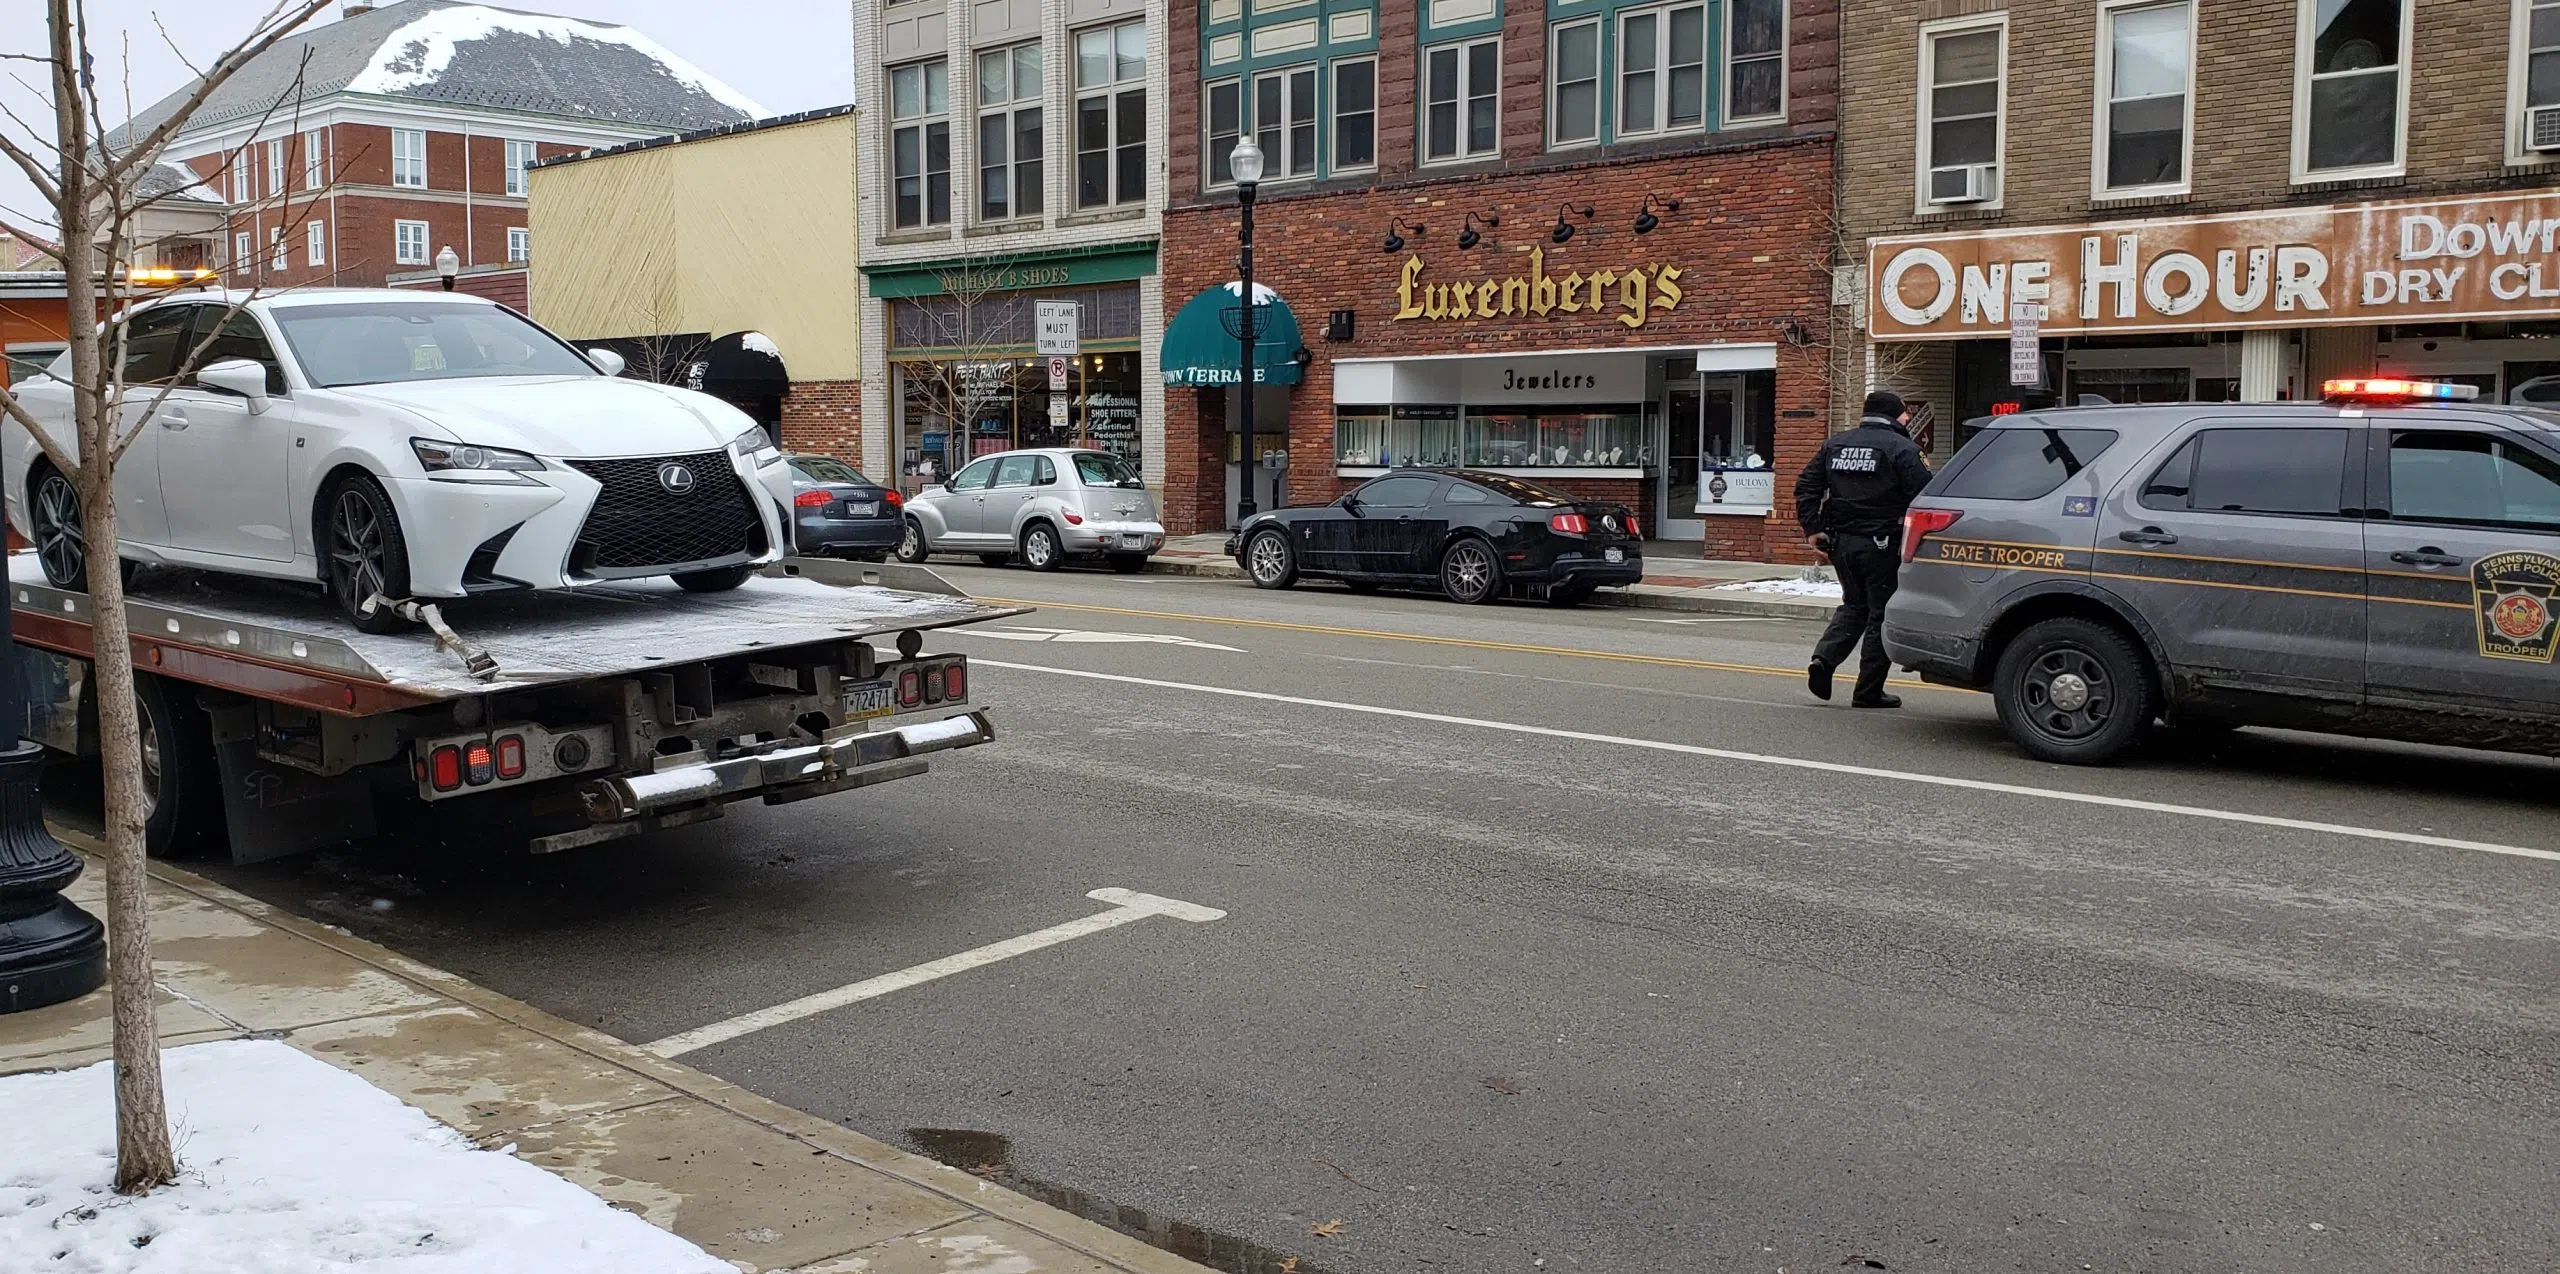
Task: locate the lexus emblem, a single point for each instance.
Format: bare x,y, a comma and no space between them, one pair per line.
677,479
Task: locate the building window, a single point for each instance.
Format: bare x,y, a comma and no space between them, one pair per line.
1662,72
519,244
315,242
1355,114
1226,124
1111,115
409,243
315,162
243,180
919,145
2350,91
408,157
1284,121
1960,83
2145,52
1573,78
519,158
240,253
1011,178
1755,60
275,167
278,255
2535,76
1461,88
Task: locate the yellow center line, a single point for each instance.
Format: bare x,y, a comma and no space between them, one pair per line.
1470,643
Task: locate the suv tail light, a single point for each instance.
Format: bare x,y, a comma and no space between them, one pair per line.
1569,524
1920,524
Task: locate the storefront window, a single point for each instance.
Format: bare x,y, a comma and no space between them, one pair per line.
1552,437
972,363
1391,436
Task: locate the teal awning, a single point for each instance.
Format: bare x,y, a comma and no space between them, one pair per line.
1205,341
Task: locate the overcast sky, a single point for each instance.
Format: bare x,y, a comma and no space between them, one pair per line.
789,55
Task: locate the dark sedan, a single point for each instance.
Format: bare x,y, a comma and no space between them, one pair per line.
839,512
1474,535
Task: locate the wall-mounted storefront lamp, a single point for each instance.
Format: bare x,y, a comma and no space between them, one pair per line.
1395,233
1646,221
1563,232
1467,235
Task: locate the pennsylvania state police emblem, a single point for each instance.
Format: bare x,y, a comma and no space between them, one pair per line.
2513,593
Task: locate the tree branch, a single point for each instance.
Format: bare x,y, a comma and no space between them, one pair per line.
281,21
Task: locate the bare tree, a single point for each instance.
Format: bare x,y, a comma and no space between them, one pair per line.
972,329
89,175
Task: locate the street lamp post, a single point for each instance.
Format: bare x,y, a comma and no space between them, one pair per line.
1246,161
448,266
50,950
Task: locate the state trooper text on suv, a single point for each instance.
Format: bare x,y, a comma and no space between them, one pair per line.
2380,563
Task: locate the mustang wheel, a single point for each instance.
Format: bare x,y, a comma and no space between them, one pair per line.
1040,548
1469,574
911,545
365,553
2072,691
62,546
1270,560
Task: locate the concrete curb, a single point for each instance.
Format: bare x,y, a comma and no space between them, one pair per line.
1688,602
1094,1242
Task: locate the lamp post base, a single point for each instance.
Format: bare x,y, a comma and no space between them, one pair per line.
50,950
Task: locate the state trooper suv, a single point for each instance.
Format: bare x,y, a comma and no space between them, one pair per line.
2381,563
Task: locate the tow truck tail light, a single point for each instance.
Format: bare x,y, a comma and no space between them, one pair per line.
444,768
479,764
1569,524
812,499
2392,390
1920,524
955,682
511,757
910,687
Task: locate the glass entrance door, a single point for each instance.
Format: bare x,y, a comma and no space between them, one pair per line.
1675,498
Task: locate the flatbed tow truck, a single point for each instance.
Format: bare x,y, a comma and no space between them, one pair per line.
555,719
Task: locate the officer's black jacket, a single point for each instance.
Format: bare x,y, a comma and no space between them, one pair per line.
1860,482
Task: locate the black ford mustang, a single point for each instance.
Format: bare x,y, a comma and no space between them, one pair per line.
1476,535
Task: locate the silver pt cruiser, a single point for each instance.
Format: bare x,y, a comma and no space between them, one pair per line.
1047,505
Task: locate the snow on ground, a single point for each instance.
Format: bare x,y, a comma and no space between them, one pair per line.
1828,590
292,1165
418,53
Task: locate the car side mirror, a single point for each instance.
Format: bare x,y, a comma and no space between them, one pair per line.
238,376
1351,505
607,361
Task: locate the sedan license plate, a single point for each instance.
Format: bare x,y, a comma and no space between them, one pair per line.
868,700
870,509
1613,555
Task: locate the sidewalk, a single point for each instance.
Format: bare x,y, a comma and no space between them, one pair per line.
755,1183
1675,579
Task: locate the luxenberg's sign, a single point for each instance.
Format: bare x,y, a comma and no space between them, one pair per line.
1630,296
2421,261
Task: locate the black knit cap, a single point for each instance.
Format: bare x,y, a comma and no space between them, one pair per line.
1885,403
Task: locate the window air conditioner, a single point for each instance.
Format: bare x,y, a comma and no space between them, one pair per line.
2542,128
1962,183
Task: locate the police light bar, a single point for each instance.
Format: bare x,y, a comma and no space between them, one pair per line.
2397,391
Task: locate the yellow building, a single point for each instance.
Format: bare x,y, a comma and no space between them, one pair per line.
723,260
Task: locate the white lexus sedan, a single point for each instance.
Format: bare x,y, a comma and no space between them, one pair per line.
400,445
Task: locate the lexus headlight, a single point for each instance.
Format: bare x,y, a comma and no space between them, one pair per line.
467,462
756,447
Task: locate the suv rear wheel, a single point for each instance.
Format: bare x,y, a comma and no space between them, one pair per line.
2072,691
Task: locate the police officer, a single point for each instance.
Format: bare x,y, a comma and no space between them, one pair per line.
1850,501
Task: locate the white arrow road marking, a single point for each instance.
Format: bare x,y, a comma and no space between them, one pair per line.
1096,638
1126,906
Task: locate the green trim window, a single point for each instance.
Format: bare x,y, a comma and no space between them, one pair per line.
1284,121
1301,76
1010,173
1461,101
1647,70
1226,124
920,144
1355,113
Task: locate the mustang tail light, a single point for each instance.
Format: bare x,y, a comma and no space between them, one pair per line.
1569,524
1920,524
1635,528
812,499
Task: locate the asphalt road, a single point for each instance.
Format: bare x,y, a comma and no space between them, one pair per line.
1588,938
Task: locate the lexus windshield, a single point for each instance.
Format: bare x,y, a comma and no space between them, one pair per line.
378,342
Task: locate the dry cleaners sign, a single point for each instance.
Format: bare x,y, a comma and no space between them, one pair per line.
2426,261
1629,296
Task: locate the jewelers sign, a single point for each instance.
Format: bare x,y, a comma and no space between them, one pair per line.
2424,261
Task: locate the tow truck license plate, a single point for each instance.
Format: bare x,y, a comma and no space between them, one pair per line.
868,700
1614,555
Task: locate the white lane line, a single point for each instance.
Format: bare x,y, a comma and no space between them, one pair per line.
1127,906
1827,767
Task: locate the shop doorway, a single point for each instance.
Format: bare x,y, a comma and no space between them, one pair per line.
1702,426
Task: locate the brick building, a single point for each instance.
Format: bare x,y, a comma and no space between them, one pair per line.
1580,241
356,150
2224,202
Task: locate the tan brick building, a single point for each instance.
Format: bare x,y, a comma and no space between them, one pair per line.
2211,201
1579,241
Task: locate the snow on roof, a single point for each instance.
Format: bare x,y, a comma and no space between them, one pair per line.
420,54
760,343
172,181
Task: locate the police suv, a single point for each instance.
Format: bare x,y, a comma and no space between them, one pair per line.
2380,563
